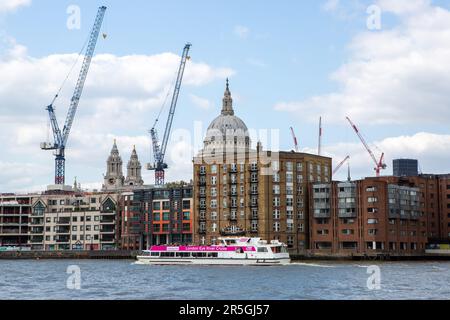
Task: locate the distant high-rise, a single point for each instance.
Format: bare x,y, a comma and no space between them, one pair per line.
406,167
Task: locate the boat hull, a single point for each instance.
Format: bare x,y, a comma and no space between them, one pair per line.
213,261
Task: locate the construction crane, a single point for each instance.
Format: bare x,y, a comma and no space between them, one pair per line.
379,164
159,150
340,165
319,148
61,137
295,139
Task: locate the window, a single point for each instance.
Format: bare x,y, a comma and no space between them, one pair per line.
289,166
156,205
213,180
372,221
372,199
276,226
371,189
276,189
186,204
276,214
289,178
214,169
96,228
213,203
276,202
299,166
276,177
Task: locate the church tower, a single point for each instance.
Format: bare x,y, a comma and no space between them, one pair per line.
114,177
134,167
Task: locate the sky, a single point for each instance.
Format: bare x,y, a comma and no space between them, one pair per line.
383,63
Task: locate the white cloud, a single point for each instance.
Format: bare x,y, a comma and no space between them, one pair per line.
12,5
394,76
242,31
121,96
200,102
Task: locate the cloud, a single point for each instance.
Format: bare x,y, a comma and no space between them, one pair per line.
432,151
330,5
12,5
121,94
242,31
200,102
394,76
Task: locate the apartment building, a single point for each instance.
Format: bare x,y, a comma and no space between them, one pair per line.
73,221
374,215
14,218
156,216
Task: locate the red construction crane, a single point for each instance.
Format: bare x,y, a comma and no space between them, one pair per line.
319,149
379,164
295,139
340,165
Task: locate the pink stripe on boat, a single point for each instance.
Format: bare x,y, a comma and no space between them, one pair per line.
200,248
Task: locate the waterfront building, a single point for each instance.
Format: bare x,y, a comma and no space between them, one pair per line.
73,221
14,217
395,215
159,215
245,191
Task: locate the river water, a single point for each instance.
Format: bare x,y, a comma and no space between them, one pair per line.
123,280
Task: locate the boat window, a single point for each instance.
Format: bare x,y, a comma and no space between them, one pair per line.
155,254
167,254
199,254
183,254
279,249
212,255
230,241
262,249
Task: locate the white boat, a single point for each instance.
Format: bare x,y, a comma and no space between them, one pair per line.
229,251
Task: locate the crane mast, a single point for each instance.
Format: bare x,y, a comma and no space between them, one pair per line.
379,164
295,139
159,150
61,137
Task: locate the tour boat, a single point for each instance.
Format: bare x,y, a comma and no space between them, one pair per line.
229,251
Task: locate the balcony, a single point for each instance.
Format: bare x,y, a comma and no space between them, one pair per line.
232,231
112,221
103,229
63,230
63,221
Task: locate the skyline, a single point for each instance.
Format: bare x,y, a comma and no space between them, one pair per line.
342,69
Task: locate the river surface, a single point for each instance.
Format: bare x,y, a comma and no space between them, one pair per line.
124,280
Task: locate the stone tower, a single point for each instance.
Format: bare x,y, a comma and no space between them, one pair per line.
134,167
114,178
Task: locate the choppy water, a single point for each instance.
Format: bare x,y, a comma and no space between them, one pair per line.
126,280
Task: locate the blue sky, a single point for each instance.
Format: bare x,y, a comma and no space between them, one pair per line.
289,62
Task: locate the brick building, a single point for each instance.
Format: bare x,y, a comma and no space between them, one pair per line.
243,191
396,215
156,216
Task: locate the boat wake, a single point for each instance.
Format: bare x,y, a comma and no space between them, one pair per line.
315,265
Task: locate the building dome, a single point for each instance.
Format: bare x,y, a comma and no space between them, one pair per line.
227,128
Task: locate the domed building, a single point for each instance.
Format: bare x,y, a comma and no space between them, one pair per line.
240,191
227,131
